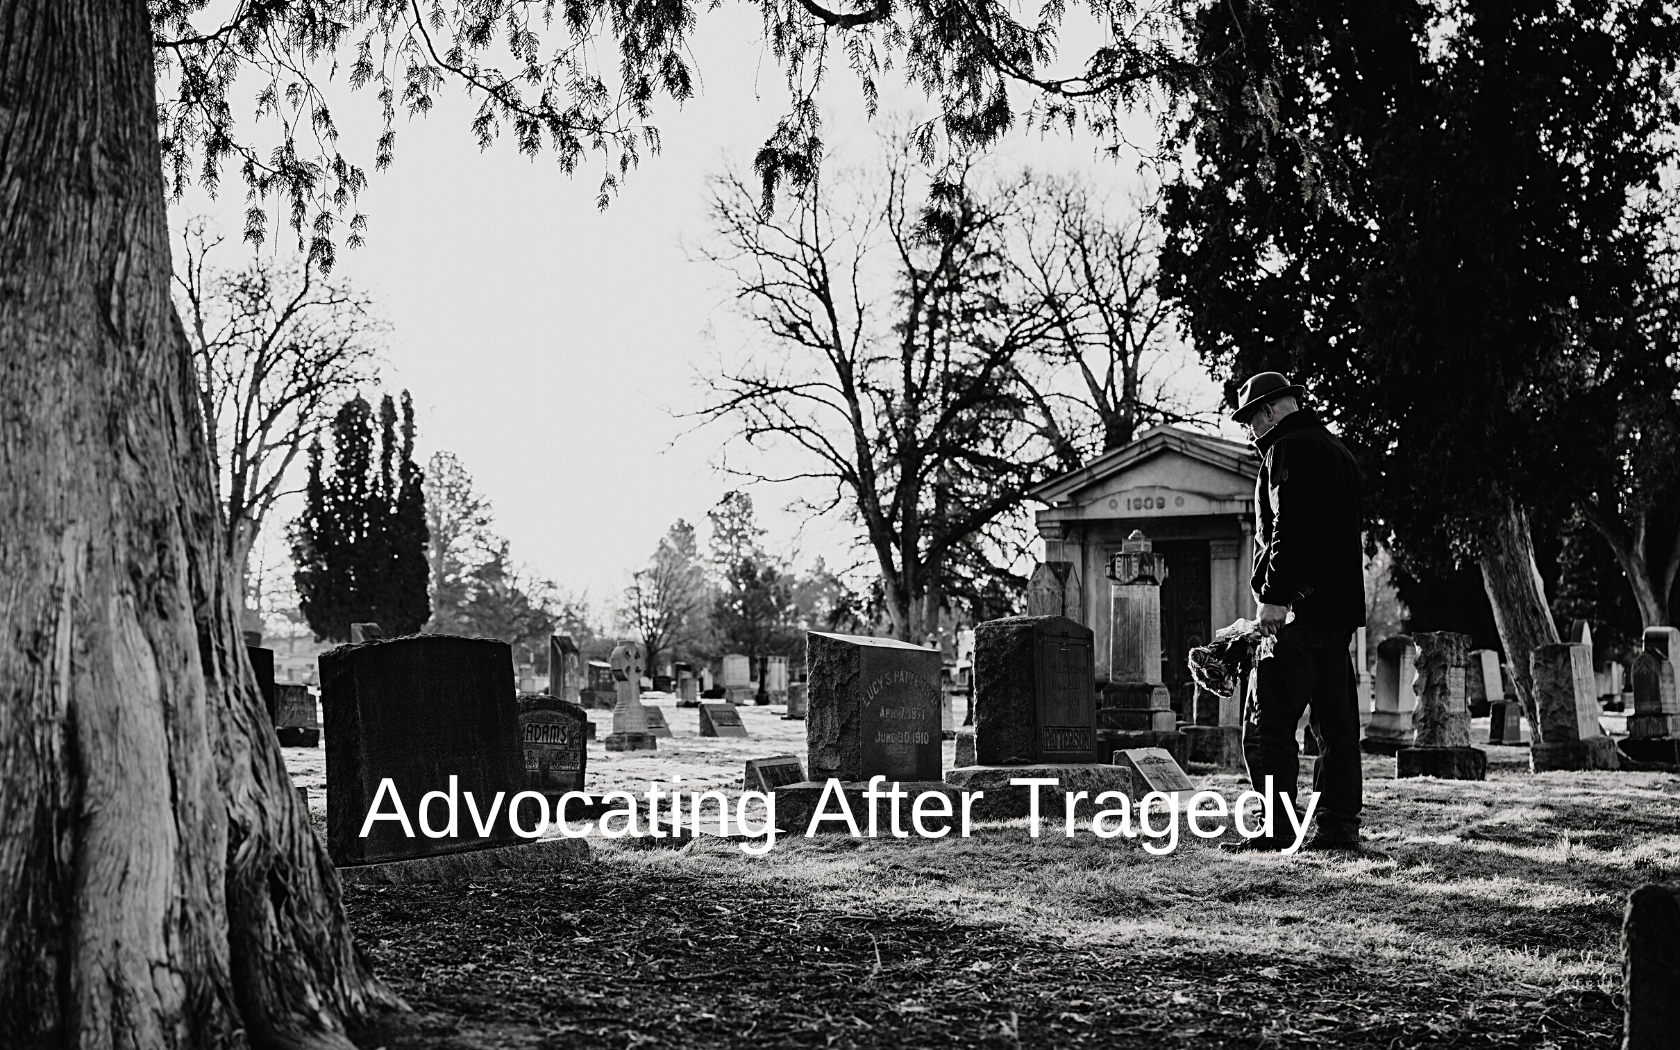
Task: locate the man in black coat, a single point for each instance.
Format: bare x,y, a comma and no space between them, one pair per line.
1309,586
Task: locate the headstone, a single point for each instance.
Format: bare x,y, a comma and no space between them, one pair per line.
1441,720
1505,723
294,716
965,748
602,687
262,663
874,708
1484,686
1654,725
553,733
796,705
1580,633
1136,708
656,720
630,726
365,632
1567,736
1034,692
1651,968
721,720
417,710
688,687
768,774
1390,728
1054,590
776,679
947,715
737,671
565,672
1153,769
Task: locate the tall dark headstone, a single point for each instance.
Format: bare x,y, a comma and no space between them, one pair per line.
553,734
418,710
1651,968
1035,692
1654,725
262,662
873,709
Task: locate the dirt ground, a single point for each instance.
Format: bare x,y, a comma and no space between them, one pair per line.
1481,914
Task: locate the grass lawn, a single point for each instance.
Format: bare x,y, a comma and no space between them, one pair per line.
1482,914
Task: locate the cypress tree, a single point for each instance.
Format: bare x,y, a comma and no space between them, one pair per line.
360,544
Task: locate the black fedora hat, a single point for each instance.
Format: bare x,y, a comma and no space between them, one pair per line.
1262,388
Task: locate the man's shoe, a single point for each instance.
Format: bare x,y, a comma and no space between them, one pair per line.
1332,843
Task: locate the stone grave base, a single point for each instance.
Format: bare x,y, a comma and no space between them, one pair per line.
795,804
1659,750
1005,801
1595,752
632,742
1651,967
1174,743
1383,744
1442,763
1658,726
542,855
297,736
965,747
1219,745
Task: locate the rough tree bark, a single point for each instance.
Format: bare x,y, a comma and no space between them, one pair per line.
159,884
1518,596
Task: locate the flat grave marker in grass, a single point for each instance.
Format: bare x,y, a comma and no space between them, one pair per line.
656,723
721,720
1153,769
768,774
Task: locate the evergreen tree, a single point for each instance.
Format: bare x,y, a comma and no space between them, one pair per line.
360,544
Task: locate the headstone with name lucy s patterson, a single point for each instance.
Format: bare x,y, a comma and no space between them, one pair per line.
1034,692
873,709
553,735
418,710
721,720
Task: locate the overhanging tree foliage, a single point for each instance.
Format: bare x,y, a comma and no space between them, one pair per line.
193,887
1447,237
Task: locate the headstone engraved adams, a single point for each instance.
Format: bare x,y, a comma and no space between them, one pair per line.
554,740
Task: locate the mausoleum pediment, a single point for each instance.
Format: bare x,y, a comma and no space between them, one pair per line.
1165,472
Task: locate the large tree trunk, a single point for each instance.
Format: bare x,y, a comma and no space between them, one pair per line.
1514,589
1630,545
159,883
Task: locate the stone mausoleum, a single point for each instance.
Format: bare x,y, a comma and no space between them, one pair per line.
1193,496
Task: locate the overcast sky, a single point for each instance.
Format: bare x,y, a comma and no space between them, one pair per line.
548,345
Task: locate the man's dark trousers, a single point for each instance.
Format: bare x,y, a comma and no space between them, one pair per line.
1309,665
